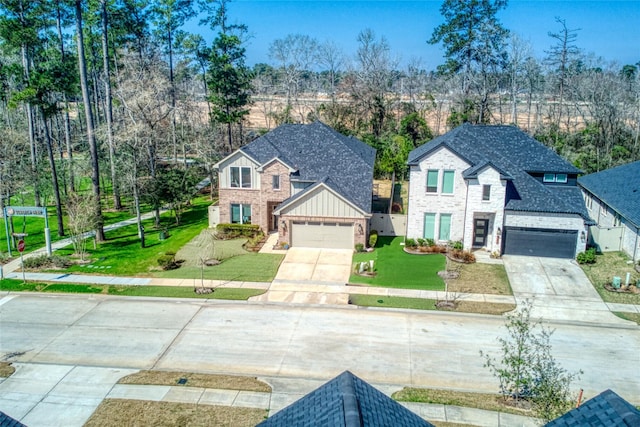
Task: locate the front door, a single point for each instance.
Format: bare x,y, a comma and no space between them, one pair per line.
480,231
272,219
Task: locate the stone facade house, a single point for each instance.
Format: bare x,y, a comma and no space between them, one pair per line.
309,183
496,188
613,201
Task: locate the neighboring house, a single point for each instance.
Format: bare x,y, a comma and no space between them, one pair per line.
308,182
613,201
496,188
345,401
606,409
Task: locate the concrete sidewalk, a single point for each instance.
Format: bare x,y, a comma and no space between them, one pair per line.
52,395
327,294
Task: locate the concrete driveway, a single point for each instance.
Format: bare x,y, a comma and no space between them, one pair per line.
558,289
320,266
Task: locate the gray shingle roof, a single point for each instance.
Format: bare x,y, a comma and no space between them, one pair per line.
345,401
606,409
619,188
7,421
515,155
319,152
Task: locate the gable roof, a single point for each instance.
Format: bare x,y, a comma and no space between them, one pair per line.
345,401
606,409
515,155
619,188
318,152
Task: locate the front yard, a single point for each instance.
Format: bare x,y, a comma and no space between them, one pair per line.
398,269
608,265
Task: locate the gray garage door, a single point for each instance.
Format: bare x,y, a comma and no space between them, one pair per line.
322,235
540,242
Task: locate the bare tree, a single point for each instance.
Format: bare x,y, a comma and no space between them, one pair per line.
82,219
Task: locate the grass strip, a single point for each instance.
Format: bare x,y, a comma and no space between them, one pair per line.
429,304
225,382
633,317
11,285
486,401
122,412
6,370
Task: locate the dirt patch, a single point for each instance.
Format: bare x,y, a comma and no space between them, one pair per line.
120,412
226,382
481,278
6,370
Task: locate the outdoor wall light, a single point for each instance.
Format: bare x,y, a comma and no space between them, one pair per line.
360,230
283,223
583,236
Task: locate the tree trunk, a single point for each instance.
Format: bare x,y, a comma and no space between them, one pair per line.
93,147
108,107
54,174
32,137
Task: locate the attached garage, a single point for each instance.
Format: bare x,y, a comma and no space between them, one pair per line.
322,235
540,242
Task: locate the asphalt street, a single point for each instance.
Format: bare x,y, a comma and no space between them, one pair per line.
381,346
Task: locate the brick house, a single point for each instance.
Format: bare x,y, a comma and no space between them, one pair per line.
612,197
496,188
309,183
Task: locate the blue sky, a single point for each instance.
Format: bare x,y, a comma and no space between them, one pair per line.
610,29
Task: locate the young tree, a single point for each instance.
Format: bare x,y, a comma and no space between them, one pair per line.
82,219
527,371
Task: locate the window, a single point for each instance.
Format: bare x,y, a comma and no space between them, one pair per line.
555,177
429,226
486,192
445,227
240,214
432,181
603,210
447,182
275,182
240,176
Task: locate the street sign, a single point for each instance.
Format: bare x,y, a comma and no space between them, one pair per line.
20,245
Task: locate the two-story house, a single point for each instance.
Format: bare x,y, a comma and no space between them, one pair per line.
612,197
308,182
496,188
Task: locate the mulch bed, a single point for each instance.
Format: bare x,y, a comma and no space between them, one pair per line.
631,289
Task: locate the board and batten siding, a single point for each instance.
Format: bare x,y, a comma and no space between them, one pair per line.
237,159
322,203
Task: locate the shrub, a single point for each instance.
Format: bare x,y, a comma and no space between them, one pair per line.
430,242
410,243
168,261
457,245
359,247
422,242
396,208
238,230
587,257
465,256
373,238
45,261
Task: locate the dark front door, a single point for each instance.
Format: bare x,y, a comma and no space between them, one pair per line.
272,219
480,231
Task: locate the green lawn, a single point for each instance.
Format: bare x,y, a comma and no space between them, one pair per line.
611,264
251,267
122,254
398,269
10,285
392,302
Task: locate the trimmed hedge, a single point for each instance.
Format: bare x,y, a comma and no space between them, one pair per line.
237,230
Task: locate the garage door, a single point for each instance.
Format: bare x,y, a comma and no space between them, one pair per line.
322,235
540,242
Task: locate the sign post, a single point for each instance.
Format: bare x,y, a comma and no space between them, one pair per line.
21,249
28,211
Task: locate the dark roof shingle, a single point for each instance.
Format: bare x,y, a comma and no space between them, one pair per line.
515,155
345,401
606,409
318,152
619,188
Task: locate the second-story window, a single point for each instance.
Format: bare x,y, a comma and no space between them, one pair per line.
432,181
275,182
240,176
486,192
447,182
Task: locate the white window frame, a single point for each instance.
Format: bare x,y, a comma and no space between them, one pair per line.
242,207
617,219
275,182
562,178
549,177
588,201
241,183
486,193
603,211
